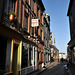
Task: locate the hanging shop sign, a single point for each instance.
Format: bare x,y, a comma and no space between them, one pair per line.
35,22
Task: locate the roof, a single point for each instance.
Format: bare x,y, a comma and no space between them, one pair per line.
70,6
52,46
41,5
61,53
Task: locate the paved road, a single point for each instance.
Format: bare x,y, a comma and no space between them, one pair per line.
56,69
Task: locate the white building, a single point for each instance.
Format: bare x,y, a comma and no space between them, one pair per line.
62,55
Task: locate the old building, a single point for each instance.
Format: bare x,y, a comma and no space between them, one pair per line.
69,54
10,38
33,56
54,52
21,42
62,55
71,14
46,37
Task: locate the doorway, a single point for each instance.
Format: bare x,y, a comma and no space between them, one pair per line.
14,62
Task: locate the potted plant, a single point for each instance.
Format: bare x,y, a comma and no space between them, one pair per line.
11,15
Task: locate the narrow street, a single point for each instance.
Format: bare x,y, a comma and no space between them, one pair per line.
56,69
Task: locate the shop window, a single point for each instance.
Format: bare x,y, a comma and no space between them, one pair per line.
24,57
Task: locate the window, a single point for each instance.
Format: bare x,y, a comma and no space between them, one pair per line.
5,10
32,30
33,5
41,17
41,34
12,5
26,22
37,12
24,57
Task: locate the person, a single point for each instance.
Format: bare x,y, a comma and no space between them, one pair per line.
43,66
70,61
61,59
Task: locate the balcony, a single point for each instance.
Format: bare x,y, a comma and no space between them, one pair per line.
14,25
6,21
11,24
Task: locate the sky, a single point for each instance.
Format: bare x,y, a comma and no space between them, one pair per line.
59,22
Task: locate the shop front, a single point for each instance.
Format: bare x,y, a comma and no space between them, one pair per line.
29,57
11,45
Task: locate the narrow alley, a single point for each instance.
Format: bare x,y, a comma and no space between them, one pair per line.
57,68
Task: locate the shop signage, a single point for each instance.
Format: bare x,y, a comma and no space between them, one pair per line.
35,22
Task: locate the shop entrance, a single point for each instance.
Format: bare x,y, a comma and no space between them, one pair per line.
14,63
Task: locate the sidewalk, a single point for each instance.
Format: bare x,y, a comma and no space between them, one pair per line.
37,72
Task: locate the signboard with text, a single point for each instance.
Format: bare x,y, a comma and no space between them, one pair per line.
35,22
